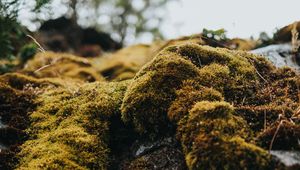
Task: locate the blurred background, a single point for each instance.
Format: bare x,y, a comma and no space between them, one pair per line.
142,21
77,25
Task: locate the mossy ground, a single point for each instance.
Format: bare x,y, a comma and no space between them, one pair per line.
219,102
225,108
72,130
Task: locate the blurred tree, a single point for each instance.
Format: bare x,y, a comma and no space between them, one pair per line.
123,19
12,34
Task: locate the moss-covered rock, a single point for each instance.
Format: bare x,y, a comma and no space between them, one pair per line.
192,86
149,95
212,137
71,130
223,106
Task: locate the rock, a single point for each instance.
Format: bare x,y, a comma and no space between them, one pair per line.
288,158
160,154
279,54
284,34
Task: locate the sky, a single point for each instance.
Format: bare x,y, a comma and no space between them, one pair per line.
241,18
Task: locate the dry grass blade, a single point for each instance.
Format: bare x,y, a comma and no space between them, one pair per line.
37,43
274,136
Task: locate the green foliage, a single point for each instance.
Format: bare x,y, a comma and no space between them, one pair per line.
219,34
9,28
12,34
28,51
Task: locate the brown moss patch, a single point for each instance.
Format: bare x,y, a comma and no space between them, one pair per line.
280,136
64,66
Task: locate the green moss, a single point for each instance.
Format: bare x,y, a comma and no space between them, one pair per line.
71,130
149,96
218,153
210,117
211,136
215,75
190,93
221,104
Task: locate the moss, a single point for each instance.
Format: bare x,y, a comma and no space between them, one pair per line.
71,130
221,104
215,75
14,105
209,117
212,137
192,86
190,93
20,81
153,88
149,96
234,153
263,116
64,66
129,59
285,134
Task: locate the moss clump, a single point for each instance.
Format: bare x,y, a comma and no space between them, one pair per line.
125,61
234,153
71,130
149,96
213,137
190,93
263,116
192,86
64,66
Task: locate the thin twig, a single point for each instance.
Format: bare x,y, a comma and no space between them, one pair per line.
265,120
275,134
37,43
257,71
42,68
